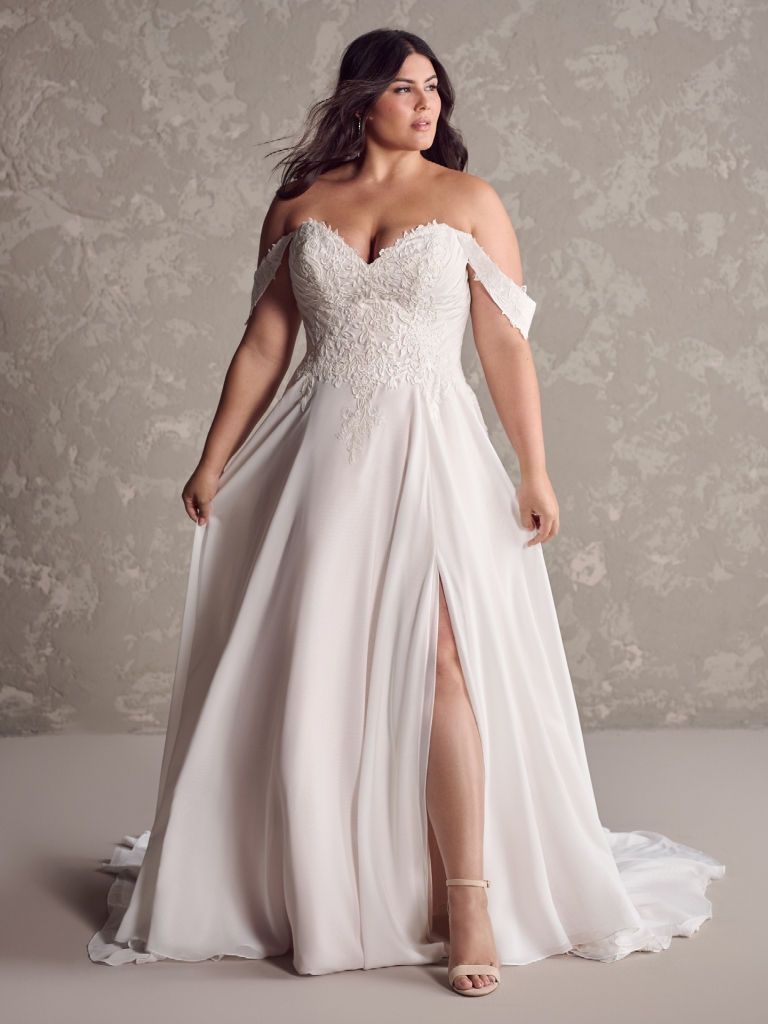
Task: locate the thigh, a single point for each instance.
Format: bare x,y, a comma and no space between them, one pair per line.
447,653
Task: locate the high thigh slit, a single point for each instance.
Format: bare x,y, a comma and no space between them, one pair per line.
291,808
456,798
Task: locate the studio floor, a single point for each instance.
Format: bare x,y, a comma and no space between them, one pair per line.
66,800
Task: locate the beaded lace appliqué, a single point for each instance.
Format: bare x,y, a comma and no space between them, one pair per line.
377,324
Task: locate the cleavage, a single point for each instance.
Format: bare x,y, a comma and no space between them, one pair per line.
375,250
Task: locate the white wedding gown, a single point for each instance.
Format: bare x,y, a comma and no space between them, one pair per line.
292,805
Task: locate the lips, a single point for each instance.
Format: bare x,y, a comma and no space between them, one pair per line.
422,125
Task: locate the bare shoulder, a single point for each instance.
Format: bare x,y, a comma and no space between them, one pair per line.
490,225
277,222
477,203
454,191
285,215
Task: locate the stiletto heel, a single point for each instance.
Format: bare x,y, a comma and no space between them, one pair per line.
465,970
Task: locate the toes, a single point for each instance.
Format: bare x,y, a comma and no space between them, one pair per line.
464,981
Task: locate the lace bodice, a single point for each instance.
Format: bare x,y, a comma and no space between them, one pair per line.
399,320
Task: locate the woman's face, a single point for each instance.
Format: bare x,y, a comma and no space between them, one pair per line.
405,117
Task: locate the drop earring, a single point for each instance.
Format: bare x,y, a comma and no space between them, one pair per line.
359,126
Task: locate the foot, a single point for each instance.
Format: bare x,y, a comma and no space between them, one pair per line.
472,939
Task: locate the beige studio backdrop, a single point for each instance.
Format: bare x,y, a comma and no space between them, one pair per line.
627,139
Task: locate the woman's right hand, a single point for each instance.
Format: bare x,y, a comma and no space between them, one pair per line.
199,492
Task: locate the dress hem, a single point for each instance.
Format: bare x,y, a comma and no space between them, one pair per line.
607,946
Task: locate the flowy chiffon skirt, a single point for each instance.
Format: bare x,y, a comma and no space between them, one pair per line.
292,808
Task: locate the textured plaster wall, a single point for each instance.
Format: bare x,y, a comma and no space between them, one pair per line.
628,142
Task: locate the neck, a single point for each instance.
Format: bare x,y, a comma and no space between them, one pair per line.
379,164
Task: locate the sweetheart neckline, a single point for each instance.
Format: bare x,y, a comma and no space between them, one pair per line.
486,270
334,233
383,251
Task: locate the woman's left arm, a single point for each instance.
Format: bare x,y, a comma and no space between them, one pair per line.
507,363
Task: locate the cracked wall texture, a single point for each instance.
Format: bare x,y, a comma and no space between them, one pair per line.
627,139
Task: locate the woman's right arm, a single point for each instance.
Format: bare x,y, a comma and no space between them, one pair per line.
253,378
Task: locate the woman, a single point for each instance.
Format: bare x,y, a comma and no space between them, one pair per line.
372,713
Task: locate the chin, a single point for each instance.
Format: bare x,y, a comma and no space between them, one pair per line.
421,144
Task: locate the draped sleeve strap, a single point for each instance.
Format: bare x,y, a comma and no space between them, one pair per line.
511,298
266,270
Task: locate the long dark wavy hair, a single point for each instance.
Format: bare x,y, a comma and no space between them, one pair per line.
330,136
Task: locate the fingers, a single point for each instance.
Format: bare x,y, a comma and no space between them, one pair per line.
197,508
198,493
546,524
191,507
538,507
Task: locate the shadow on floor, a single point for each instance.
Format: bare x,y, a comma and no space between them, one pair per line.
78,885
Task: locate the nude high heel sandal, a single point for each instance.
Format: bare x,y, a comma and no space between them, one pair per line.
467,969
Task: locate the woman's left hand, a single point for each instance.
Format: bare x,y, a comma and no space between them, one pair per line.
538,507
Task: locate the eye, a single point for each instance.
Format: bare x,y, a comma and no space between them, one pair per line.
432,87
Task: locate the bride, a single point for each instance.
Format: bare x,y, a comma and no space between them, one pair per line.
372,718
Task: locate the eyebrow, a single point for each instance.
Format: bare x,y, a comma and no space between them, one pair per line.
412,81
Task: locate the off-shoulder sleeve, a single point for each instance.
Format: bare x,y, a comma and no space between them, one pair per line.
511,298
266,270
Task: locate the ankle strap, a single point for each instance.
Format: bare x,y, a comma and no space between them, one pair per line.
467,881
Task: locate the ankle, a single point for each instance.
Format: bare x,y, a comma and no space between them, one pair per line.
467,896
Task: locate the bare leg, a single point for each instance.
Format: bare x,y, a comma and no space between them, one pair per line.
455,793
